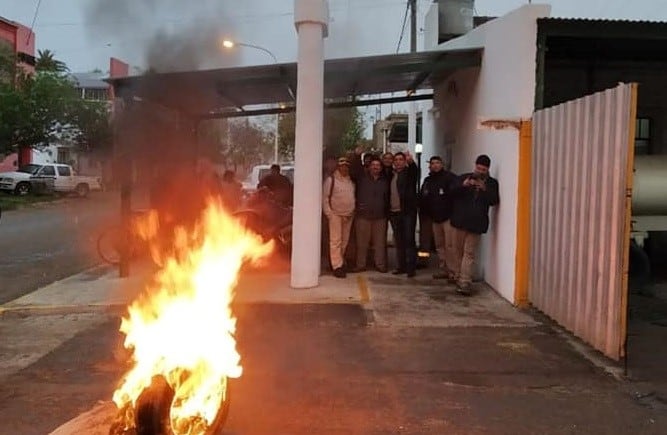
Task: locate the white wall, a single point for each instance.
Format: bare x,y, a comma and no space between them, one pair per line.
503,87
48,154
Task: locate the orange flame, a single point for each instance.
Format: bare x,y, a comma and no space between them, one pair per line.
183,328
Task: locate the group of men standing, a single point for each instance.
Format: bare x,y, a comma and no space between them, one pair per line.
366,196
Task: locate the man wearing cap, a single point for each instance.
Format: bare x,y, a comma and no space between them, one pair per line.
338,204
436,204
473,194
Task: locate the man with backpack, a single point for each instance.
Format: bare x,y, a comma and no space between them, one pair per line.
338,203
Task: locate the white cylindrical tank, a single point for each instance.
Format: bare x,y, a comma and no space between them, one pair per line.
455,17
649,192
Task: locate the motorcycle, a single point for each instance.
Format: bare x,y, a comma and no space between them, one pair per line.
264,215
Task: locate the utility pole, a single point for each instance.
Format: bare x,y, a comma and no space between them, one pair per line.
413,26
412,111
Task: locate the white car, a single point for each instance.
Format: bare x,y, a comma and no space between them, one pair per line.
63,177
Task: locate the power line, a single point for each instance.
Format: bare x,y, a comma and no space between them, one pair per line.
34,18
405,20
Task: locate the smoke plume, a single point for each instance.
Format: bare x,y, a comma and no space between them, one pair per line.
170,35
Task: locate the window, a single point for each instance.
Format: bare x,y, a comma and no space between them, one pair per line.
64,155
96,94
64,171
47,171
643,136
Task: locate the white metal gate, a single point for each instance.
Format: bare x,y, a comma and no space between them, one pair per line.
580,217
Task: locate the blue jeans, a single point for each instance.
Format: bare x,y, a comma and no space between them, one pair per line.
403,225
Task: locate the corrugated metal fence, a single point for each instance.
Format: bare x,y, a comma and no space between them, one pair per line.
581,180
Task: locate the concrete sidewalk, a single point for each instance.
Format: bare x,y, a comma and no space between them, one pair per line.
372,353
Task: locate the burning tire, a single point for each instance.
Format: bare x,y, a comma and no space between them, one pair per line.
181,333
152,414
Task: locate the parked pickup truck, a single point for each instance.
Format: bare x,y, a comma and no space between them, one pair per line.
63,177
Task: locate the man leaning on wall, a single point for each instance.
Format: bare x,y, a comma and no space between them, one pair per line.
473,194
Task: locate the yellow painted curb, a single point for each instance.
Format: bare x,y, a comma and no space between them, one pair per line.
364,291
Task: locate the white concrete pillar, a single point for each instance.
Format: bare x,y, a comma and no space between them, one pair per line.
311,18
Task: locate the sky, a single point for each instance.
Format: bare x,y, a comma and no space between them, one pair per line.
85,38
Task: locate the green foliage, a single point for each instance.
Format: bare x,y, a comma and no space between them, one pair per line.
286,133
236,143
46,62
91,125
343,131
43,107
8,63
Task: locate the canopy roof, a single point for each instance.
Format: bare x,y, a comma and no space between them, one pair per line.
209,93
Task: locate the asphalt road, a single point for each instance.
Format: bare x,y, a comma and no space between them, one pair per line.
45,243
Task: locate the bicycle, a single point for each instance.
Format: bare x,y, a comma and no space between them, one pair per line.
110,242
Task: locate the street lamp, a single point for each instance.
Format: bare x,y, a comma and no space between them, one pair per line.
229,44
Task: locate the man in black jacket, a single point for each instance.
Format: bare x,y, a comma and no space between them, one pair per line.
436,204
473,194
371,216
279,185
403,212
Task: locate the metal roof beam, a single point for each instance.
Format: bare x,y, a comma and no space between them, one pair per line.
331,105
226,96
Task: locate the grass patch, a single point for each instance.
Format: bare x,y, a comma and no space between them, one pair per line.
13,202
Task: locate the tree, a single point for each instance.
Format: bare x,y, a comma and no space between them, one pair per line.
239,143
286,135
247,146
36,109
8,62
90,125
46,62
343,131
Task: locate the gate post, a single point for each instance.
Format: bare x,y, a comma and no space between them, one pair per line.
523,230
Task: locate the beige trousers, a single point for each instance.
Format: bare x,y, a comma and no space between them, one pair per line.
371,231
339,236
444,235
465,253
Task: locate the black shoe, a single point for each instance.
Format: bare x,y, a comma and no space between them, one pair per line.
381,269
339,273
398,272
464,290
411,274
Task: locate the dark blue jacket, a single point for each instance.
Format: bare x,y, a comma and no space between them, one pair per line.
471,206
436,195
372,197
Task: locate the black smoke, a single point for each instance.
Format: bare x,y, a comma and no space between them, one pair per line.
168,35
